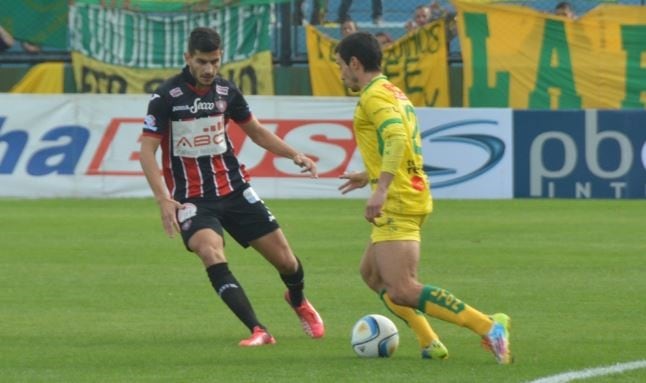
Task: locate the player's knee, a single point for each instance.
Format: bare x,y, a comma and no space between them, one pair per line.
209,253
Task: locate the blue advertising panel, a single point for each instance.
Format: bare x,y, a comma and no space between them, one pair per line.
580,154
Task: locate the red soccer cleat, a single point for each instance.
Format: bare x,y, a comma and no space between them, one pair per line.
310,319
259,337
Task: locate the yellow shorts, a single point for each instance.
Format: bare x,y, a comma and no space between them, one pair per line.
397,227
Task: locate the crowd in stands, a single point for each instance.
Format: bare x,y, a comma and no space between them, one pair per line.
421,15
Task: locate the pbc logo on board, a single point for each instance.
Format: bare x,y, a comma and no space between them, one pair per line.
329,142
580,154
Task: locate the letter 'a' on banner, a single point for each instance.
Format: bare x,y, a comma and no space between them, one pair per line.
518,57
417,63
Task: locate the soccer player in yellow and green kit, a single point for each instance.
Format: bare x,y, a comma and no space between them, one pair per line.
388,138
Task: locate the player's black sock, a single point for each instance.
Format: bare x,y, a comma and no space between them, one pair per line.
295,283
230,291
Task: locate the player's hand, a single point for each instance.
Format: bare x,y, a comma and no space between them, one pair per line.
374,205
306,163
355,180
168,208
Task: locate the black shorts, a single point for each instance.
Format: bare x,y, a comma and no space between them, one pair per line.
242,214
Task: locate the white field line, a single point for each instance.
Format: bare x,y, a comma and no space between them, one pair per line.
592,372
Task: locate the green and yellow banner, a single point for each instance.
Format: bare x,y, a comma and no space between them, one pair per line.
121,51
521,58
416,63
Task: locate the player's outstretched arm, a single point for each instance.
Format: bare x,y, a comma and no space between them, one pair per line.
271,142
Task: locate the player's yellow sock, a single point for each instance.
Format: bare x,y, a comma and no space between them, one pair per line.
414,319
441,304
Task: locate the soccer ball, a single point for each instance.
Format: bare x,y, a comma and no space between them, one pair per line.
374,336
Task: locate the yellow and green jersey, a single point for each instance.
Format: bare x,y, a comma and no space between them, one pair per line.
384,113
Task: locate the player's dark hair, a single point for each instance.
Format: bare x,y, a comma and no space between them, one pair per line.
364,46
204,40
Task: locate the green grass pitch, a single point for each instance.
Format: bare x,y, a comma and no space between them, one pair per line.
93,291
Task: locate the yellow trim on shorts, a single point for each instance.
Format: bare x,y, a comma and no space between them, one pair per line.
397,227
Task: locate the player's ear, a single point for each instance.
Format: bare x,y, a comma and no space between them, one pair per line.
354,62
187,57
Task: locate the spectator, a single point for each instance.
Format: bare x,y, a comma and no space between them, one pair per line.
437,12
348,27
421,16
384,39
377,11
564,9
6,40
317,16
452,38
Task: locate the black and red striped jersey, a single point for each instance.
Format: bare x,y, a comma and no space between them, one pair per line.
198,159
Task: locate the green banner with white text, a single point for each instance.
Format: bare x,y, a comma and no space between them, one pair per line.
122,51
521,58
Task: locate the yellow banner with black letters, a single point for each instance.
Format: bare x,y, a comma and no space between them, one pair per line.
416,63
253,75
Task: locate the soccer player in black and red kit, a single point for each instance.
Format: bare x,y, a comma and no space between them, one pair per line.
207,189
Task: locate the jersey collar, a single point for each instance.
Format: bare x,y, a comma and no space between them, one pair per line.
374,79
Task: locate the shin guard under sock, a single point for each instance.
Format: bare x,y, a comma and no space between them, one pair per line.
230,291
